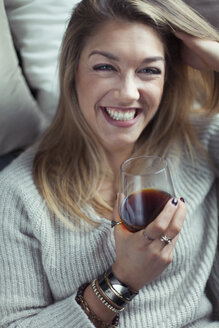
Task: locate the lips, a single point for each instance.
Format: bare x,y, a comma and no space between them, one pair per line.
121,114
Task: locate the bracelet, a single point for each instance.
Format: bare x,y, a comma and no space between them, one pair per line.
109,292
91,315
120,288
119,293
105,299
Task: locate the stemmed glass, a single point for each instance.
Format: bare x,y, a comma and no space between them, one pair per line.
145,187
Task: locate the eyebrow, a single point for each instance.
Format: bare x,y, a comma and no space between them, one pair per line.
111,56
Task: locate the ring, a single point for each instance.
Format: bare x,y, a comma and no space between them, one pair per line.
166,240
146,236
114,223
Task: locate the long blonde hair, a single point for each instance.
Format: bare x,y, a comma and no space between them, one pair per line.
70,164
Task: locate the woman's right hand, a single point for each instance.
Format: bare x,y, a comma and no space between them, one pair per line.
140,260
199,53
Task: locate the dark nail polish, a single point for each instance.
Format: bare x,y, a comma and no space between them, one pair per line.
182,199
175,201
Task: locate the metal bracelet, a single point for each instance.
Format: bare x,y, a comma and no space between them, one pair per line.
103,300
113,289
119,288
109,292
109,300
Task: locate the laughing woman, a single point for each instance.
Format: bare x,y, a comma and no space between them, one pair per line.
137,77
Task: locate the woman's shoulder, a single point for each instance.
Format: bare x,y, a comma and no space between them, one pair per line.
18,174
203,121
206,127
18,192
207,131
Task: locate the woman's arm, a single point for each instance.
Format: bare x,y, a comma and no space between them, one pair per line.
140,260
26,296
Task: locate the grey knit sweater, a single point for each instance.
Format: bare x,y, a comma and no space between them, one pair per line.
42,262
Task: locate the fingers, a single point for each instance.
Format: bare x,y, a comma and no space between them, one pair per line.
162,231
167,226
177,221
161,223
142,256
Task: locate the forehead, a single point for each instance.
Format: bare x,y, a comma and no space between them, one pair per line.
123,36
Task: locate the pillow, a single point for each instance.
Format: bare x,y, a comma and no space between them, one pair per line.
37,27
20,118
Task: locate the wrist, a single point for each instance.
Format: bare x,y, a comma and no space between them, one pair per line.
98,314
125,279
114,289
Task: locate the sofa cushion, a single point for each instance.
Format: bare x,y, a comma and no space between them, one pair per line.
37,27
21,120
208,9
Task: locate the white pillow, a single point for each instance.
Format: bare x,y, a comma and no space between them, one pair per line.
38,27
21,121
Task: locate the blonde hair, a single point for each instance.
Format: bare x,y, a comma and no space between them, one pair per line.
70,164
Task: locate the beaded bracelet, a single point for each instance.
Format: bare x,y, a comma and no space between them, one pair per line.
110,293
91,315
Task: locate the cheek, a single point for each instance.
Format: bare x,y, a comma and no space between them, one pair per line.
90,89
84,91
153,94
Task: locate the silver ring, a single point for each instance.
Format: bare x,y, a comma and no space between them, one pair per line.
146,236
166,240
114,223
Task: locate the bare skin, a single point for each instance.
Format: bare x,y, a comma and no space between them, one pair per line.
199,53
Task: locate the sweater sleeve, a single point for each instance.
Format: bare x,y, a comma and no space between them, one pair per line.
212,142
207,129
212,288
26,298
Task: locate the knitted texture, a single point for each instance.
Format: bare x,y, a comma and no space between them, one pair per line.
43,263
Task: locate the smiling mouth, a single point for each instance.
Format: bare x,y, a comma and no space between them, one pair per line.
118,114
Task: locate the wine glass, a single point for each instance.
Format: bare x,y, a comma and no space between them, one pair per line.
145,187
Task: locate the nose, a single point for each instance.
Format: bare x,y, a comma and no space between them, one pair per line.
127,90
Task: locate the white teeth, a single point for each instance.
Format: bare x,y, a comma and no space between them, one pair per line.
121,115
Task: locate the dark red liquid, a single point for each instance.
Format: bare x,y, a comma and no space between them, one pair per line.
142,207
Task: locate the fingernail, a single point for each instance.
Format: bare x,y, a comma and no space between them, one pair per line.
174,201
182,199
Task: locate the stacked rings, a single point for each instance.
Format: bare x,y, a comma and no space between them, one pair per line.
166,240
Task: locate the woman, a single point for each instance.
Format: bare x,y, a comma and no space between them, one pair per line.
125,90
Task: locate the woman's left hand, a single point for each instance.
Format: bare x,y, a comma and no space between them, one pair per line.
199,53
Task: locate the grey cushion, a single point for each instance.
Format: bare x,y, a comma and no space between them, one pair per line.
207,8
20,118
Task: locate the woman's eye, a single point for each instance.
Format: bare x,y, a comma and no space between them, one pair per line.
150,70
104,67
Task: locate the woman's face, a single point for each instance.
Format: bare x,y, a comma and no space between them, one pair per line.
120,82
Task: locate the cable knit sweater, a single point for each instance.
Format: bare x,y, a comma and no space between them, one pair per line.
42,262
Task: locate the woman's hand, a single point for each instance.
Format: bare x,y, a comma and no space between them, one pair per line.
199,53
141,257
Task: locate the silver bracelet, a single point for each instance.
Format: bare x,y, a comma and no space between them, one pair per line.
103,300
119,288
